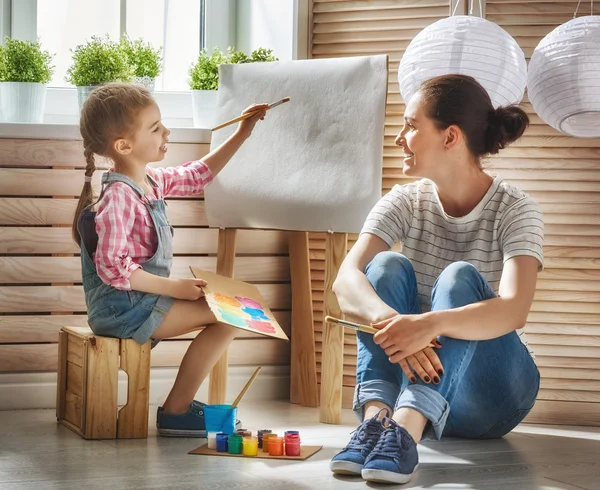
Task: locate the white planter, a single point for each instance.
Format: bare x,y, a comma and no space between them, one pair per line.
22,102
204,107
145,82
83,92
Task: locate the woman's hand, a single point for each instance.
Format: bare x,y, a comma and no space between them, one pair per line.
190,289
247,125
404,335
426,364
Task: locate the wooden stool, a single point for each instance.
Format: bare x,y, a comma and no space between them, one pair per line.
87,387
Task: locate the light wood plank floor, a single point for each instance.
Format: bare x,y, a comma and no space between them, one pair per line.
36,453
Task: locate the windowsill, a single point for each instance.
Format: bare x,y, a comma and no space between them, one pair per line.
62,117
70,131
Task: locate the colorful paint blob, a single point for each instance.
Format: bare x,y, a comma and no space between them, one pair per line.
226,300
264,327
250,303
233,319
256,314
232,310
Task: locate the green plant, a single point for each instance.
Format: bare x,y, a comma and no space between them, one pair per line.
204,74
98,60
24,61
262,55
143,58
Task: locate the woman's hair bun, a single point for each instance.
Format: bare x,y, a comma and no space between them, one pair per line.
505,125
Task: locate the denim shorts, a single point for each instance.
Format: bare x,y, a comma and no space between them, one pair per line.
128,314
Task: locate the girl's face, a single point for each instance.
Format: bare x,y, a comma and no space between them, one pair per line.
149,142
422,142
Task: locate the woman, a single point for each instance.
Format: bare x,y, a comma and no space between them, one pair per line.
471,251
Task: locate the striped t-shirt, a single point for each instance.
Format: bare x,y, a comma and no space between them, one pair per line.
506,223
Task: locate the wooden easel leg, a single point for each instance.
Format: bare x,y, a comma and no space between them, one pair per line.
303,383
332,364
132,422
225,261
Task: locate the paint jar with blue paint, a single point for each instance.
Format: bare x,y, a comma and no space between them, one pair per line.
220,419
222,446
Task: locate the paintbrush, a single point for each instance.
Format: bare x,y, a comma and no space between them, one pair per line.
245,388
356,326
250,114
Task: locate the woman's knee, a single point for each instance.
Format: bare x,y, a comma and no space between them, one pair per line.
460,273
387,267
459,284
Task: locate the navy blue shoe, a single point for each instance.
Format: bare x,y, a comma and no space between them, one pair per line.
394,458
350,460
167,424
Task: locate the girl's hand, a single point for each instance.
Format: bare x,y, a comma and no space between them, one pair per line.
190,289
404,335
426,364
247,125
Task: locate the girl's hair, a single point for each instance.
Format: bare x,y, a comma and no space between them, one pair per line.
109,113
462,101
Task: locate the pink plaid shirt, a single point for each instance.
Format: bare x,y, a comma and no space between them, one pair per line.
126,234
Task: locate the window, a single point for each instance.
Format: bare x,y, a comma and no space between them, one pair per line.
173,24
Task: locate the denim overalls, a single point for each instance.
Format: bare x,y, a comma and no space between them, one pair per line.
113,312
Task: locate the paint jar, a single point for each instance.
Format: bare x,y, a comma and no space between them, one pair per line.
276,446
220,418
222,443
292,444
234,444
244,432
261,433
212,440
250,446
265,441
290,432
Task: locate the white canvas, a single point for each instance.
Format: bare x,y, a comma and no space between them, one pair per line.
314,163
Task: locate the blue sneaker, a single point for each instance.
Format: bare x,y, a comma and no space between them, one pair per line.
350,460
169,425
394,458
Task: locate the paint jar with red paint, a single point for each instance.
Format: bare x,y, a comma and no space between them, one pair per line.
292,443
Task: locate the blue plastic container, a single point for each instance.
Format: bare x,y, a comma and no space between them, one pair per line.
220,418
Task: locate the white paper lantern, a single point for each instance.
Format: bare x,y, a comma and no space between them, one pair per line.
564,78
466,45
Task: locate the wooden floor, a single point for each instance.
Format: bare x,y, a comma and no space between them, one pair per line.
36,453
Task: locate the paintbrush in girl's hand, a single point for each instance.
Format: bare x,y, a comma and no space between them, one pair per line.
250,114
359,327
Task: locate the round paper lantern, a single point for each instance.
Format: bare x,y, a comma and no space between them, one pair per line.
564,78
466,45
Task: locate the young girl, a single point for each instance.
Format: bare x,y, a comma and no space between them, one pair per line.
127,242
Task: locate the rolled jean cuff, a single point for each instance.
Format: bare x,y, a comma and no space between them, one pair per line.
428,402
374,390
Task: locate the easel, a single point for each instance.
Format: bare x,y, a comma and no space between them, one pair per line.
303,384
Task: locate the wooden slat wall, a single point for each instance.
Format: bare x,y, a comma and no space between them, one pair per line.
561,173
40,274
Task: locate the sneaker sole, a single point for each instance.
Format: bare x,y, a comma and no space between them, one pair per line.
345,468
382,476
182,433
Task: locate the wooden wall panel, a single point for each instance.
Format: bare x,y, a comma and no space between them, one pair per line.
40,272
561,173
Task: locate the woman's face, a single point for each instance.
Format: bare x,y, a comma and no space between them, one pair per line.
422,142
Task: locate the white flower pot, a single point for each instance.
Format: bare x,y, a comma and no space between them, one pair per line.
146,82
22,102
204,107
83,92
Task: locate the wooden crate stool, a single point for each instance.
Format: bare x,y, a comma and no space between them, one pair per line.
87,387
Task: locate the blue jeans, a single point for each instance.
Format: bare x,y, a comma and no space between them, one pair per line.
488,387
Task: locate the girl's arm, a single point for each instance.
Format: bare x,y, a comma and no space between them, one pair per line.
356,297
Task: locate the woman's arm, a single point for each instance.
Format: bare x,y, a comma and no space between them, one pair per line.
498,316
356,297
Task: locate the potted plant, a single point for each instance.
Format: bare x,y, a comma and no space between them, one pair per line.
145,60
204,79
25,70
95,62
204,82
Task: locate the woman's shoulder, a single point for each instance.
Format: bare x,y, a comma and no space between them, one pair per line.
512,196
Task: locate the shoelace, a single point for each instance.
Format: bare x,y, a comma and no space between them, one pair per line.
391,441
364,436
